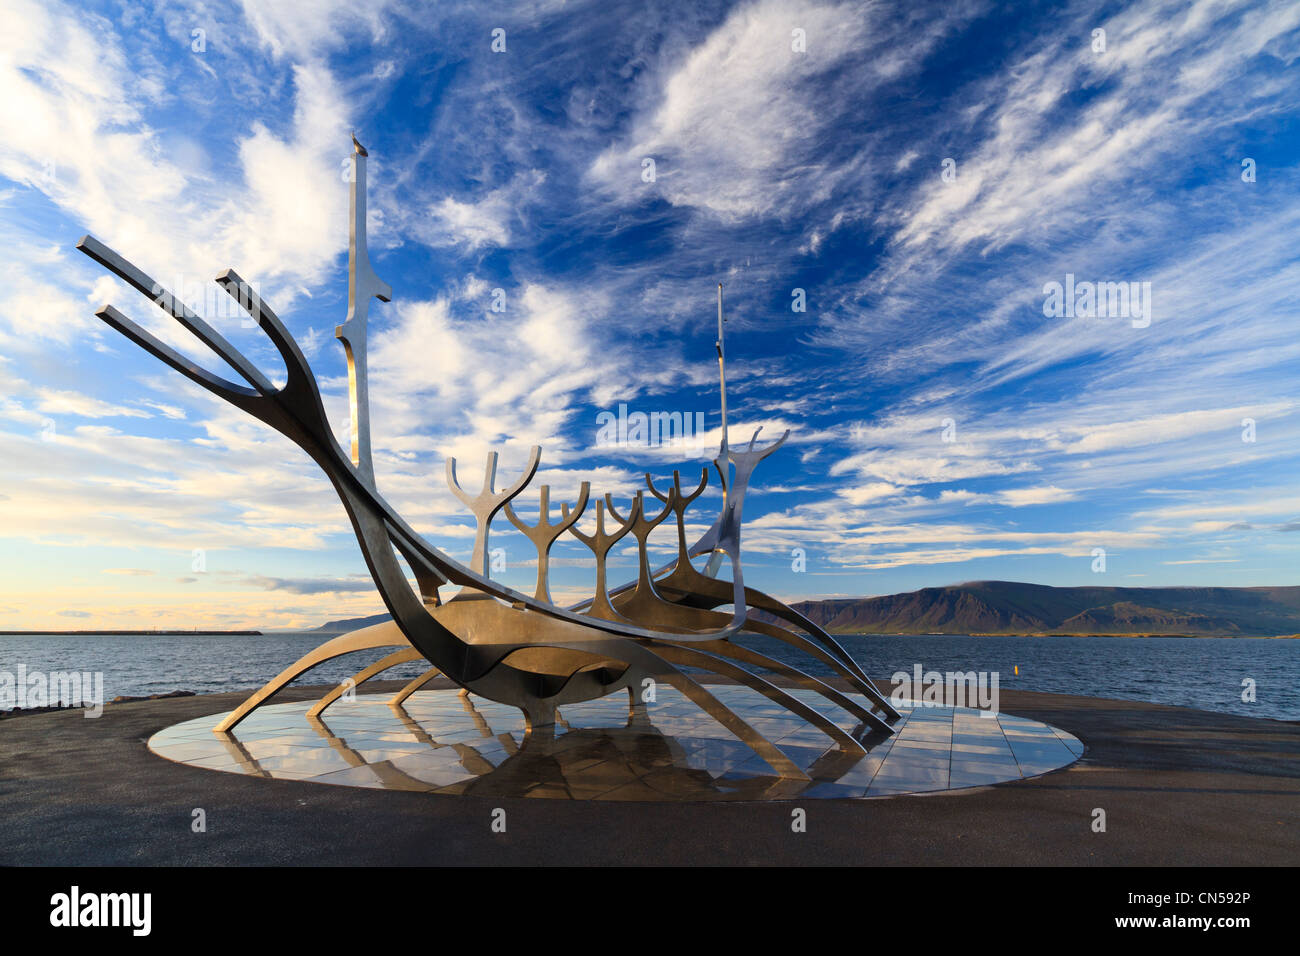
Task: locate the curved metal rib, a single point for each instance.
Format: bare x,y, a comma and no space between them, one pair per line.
705,592
678,654
404,656
748,655
413,686
380,635
654,662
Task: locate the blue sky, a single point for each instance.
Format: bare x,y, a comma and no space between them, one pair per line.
944,428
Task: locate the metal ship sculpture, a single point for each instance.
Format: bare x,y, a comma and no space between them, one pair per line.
524,650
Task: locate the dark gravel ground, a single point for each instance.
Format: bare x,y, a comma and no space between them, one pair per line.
1180,787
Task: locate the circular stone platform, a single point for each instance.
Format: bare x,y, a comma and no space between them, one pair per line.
443,742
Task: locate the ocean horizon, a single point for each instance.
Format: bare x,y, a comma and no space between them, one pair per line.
1208,673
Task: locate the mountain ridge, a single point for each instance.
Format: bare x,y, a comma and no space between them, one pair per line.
1014,608
1017,608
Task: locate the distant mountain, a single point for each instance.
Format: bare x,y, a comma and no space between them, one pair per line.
351,624
1010,607
138,632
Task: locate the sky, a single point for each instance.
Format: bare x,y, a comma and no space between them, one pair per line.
887,192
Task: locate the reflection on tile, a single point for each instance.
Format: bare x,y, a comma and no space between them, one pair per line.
933,746
440,742
1005,768
1050,752
985,750
975,778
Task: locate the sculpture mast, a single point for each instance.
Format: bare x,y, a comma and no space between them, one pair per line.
723,461
722,379
362,285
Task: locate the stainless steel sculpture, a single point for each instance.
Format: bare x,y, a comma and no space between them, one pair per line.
490,640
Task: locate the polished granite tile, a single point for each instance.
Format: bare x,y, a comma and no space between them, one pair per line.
1008,768
985,734
261,750
835,791
1021,730
899,790
982,748
1072,743
862,773
368,777
899,773
1047,747
444,743
977,725
222,762
961,781
932,713
912,743
322,762
186,752
1034,769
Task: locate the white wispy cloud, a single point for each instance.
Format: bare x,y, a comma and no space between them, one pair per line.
775,168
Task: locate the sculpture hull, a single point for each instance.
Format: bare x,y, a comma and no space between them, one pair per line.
492,641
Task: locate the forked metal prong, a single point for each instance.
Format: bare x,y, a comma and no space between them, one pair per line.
544,534
167,301
191,370
487,502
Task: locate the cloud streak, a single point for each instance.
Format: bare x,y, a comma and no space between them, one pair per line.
944,427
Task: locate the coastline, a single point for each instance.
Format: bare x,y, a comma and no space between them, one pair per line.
1240,637
1230,637
836,631
174,632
